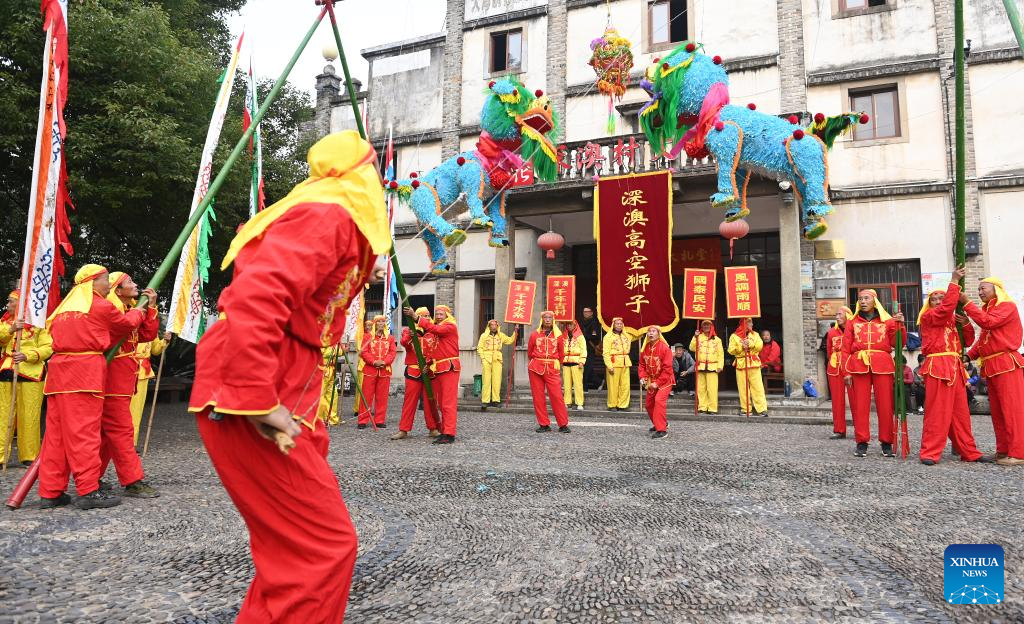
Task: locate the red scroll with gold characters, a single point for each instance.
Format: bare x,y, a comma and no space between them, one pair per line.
633,229
519,309
562,296
742,296
699,293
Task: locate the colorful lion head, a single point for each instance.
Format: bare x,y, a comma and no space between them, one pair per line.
513,112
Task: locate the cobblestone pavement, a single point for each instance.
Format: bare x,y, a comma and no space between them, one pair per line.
719,522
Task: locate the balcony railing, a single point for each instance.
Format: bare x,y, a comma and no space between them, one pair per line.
621,155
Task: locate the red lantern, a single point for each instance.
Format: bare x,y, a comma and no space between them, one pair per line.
551,242
733,230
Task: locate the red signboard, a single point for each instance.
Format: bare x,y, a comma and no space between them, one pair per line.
522,176
562,296
699,294
742,297
519,309
633,229
696,253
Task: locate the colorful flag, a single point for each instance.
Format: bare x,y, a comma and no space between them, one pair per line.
256,198
47,227
188,312
390,284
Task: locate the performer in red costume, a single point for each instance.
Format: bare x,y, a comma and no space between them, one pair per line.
946,414
997,350
833,343
545,350
867,356
657,375
298,264
118,432
82,326
444,367
415,391
377,354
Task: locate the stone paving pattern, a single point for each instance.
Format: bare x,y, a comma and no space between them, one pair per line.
719,522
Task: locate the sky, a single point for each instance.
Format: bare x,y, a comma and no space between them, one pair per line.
274,32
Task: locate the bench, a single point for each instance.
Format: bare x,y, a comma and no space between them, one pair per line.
774,383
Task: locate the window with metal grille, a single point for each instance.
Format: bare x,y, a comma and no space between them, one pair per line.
898,280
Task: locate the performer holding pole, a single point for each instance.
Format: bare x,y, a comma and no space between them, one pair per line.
710,357
745,346
414,390
833,345
657,376
545,349
444,367
21,381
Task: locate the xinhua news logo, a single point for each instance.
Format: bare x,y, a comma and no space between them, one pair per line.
973,574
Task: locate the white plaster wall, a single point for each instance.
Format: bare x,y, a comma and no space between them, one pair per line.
475,254
997,107
862,40
468,143
475,56
915,227
466,299
762,87
736,28
588,23
412,255
586,117
1003,219
527,253
421,157
921,157
986,25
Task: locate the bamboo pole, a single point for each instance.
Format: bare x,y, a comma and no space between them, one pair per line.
961,134
1014,17
152,409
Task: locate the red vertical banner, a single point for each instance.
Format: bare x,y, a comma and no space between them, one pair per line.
519,308
562,296
699,293
633,229
742,296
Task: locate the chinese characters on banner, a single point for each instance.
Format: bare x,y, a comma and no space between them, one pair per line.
562,296
742,297
522,176
519,309
633,229
699,294
697,253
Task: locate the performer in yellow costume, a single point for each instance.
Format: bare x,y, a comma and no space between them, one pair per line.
617,363
710,358
489,350
572,364
35,348
328,409
745,345
143,352
361,336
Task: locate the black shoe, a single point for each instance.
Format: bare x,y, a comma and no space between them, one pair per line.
140,489
763,414
26,463
837,436
659,434
383,425
984,459
360,426
862,450
613,409
564,429
652,430
443,439
105,487
97,499
543,429
928,462
887,450
57,501
483,407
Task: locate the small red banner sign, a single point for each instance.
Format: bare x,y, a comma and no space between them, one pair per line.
519,309
742,296
562,296
699,294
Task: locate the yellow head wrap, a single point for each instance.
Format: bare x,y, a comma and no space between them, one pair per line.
341,171
882,314
554,326
422,311
115,280
14,295
927,305
646,340
79,298
450,318
1001,295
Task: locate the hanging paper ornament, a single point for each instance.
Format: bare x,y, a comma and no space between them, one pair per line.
612,60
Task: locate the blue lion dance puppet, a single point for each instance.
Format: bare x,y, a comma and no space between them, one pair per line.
689,108
516,125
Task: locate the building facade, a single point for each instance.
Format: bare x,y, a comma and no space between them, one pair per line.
891,180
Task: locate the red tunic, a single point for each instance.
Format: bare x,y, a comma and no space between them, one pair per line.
998,346
379,348
834,350
656,364
79,341
868,345
940,342
445,354
545,352
123,370
427,343
771,356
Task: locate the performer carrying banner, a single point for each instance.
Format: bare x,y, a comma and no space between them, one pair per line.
444,368
997,350
545,351
745,346
82,327
573,364
489,349
34,348
143,353
710,358
833,346
377,354
657,376
415,391
946,414
867,356
617,364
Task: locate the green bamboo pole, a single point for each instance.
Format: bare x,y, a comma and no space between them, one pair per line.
400,282
1014,16
961,134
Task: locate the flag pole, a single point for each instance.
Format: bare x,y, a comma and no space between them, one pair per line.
152,409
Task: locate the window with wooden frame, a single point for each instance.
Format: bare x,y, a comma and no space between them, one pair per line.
849,7
882,104
485,303
893,280
506,51
666,23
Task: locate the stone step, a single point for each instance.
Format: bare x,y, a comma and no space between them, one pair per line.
776,416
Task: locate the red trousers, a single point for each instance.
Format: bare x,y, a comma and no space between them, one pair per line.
1006,399
657,404
118,440
446,391
860,405
946,415
414,391
375,389
837,389
302,539
552,382
71,443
